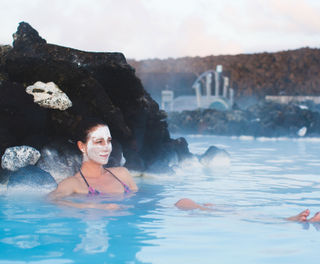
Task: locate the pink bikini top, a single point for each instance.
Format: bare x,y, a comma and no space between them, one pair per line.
92,191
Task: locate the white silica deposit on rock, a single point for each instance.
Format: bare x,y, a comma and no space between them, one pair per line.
49,95
18,157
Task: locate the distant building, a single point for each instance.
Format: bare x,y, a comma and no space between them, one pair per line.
211,91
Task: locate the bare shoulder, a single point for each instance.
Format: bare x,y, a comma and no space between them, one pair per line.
123,174
120,172
72,180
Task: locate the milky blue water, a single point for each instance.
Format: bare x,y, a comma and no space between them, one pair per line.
267,180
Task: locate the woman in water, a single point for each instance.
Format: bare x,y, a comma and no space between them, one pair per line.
94,142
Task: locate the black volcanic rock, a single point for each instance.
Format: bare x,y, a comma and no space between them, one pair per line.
26,38
20,117
265,119
4,50
31,176
103,85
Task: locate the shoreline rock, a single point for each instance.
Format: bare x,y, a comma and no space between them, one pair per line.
265,119
31,176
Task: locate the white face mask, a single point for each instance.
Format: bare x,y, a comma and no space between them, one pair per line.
99,145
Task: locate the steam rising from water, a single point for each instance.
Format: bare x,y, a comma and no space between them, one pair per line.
263,139
27,190
59,165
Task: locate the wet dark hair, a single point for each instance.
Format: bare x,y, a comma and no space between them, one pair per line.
85,126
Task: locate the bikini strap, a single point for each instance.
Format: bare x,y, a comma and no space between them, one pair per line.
92,191
84,179
125,186
114,176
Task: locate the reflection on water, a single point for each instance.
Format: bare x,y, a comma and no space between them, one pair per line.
22,241
267,180
95,239
29,224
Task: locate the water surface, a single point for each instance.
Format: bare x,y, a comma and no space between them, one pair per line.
268,179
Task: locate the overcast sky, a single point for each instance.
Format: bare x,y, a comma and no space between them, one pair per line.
144,29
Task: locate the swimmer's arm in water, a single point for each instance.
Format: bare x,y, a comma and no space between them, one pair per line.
65,188
109,206
68,187
188,204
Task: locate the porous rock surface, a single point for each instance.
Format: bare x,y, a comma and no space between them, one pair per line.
18,157
48,95
98,84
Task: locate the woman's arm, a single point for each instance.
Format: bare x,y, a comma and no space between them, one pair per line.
109,206
65,188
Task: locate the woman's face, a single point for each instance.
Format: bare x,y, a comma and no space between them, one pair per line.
98,146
